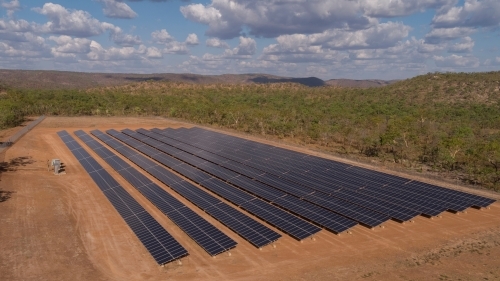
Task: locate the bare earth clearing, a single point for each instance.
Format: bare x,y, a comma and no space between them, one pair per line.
63,228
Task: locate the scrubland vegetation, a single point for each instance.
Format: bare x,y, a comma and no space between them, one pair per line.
444,122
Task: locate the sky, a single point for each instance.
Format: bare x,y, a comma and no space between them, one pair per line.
329,39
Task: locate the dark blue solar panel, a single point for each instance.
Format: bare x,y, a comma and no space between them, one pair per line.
328,220
261,190
279,218
229,192
198,197
169,205
318,173
352,211
202,232
254,187
254,232
160,244
203,200
396,212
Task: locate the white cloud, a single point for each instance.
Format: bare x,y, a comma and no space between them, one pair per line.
244,51
71,22
161,36
474,13
426,48
172,46
192,39
397,8
23,46
438,35
200,13
67,44
246,48
154,53
125,40
465,46
16,26
11,7
461,21
456,61
216,43
99,53
175,47
377,36
117,9
270,18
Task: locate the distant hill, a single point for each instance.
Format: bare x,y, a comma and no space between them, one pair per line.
47,79
349,83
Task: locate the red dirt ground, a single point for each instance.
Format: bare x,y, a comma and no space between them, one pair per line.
63,228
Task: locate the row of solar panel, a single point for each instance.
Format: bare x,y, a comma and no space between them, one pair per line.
428,199
271,188
284,221
286,158
160,244
397,212
202,232
383,174
322,217
248,228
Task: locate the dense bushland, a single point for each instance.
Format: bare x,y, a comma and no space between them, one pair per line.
442,122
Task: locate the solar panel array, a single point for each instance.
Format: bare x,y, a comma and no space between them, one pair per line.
202,232
330,178
333,213
284,221
251,230
160,244
297,193
324,218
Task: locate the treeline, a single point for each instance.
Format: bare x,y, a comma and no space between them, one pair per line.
441,122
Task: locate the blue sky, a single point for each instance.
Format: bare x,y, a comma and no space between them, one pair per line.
357,39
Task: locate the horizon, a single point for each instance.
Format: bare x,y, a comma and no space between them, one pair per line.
356,40
188,73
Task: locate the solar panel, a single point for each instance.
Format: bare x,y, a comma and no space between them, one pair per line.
289,187
203,200
224,190
199,229
304,209
254,232
318,173
331,221
367,181
396,212
206,235
322,217
159,243
254,187
279,219
198,197
227,191
352,211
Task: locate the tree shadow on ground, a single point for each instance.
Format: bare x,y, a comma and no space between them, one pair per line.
14,163
5,195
